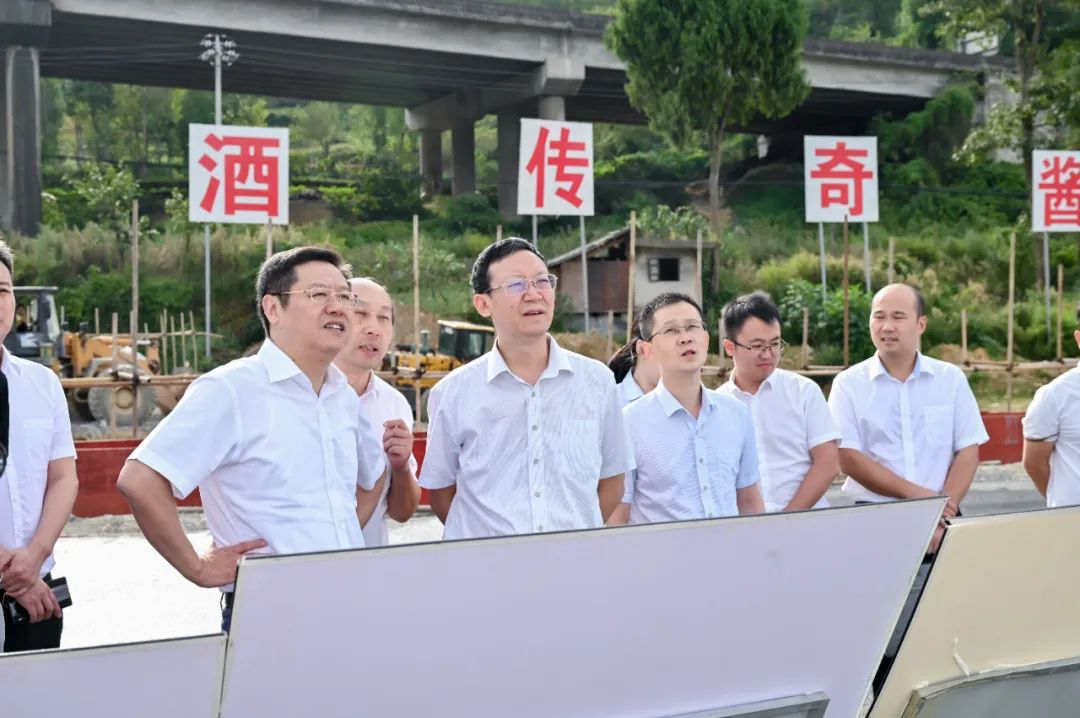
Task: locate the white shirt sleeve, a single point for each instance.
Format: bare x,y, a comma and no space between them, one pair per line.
371,460
616,457
968,428
1043,419
843,413
441,459
748,461
631,475
62,445
820,426
195,438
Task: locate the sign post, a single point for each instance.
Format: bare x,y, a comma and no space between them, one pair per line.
555,177
1055,202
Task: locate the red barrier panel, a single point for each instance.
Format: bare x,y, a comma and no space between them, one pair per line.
100,462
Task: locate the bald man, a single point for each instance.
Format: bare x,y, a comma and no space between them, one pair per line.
384,407
909,425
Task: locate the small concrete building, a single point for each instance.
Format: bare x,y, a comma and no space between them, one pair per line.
661,265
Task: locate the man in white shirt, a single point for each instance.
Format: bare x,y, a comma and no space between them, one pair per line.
383,406
909,425
635,374
694,448
529,437
1052,437
796,436
276,442
38,486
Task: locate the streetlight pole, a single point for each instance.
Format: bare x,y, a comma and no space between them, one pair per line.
218,50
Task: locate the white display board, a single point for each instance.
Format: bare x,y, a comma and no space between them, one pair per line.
1055,191
555,168
238,174
642,621
178,678
840,178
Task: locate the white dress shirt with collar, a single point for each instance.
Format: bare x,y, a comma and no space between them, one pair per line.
380,403
40,432
525,459
272,459
913,428
689,468
790,418
1054,415
629,390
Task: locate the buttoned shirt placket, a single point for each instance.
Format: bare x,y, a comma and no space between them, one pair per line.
535,443
701,462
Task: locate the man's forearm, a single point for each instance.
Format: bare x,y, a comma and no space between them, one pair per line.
877,478
610,493
961,473
815,484
1040,475
154,508
441,500
749,500
403,496
60,493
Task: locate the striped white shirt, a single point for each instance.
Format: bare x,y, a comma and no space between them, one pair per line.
380,403
790,418
912,428
524,458
689,468
629,390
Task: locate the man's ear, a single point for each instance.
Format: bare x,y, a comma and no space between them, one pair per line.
921,323
645,349
729,347
482,304
271,307
1076,336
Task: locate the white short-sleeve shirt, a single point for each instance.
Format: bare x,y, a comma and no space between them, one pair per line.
1054,415
790,418
629,390
380,403
272,459
525,459
40,432
913,428
689,468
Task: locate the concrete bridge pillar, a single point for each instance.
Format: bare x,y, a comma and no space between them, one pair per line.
509,140
463,148
553,107
431,169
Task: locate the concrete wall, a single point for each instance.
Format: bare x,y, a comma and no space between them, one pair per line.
645,291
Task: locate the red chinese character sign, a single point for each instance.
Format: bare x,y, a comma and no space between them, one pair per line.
238,174
555,175
841,179
1055,200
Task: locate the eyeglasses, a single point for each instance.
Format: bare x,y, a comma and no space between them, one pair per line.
673,331
517,287
323,296
777,347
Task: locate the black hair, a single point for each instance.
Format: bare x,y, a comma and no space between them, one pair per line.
622,362
664,300
756,304
7,258
278,274
492,253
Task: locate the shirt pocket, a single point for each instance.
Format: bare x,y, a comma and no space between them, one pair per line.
938,425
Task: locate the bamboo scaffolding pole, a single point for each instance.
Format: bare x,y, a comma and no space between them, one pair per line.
1060,309
963,337
805,338
416,309
1012,308
847,299
632,271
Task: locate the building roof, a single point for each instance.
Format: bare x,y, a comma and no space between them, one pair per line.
622,235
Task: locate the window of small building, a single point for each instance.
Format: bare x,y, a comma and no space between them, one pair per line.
663,269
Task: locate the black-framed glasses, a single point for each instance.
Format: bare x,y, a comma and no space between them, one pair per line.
323,296
517,287
776,347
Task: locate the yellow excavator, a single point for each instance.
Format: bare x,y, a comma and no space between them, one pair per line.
38,336
459,343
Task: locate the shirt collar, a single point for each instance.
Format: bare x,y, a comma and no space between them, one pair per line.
671,405
877,368
558,361
768,382
279,367
9,365
632,389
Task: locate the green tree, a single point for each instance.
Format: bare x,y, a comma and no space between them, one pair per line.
320,123
697,69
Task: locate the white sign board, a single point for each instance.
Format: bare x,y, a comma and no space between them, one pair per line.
238,175
555,172
1055,191
178,678
841,179
634,622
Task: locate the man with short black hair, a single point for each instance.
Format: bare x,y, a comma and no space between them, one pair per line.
38,486
796,435
276,442
1052,437
529,437
694,448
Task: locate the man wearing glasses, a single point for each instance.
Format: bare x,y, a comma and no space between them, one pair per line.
796,436
276,442
529,437
694,448
37,487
